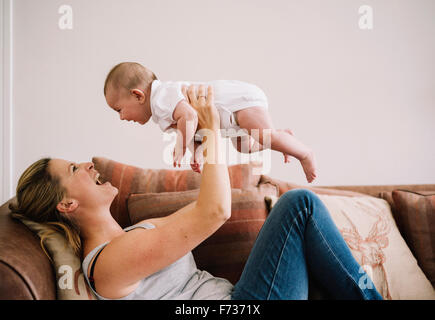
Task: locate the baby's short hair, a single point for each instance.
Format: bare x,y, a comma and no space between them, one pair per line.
128,75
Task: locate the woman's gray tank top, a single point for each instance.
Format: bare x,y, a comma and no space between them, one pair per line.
178,281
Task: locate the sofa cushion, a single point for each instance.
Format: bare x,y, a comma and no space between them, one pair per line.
70,282
224,253
131,179
414,213
368,227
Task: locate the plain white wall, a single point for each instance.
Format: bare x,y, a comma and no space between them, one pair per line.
364,100
6,123
2,152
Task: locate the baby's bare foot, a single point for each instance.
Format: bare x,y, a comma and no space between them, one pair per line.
309,165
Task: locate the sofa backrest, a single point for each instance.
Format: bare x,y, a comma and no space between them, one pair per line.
130,179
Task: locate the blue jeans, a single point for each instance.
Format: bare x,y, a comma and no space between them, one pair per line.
299,238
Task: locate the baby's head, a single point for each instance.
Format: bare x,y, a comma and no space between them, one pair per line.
127,88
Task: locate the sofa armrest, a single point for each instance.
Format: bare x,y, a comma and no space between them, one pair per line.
25,270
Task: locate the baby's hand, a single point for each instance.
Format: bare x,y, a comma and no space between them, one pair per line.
198,159
196,167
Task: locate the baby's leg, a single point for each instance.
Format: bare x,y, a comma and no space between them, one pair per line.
281,140
286,156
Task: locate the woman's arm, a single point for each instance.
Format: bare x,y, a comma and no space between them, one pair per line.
140,252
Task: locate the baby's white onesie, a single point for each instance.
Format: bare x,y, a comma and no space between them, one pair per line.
229,96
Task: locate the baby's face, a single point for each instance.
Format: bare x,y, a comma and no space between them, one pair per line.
127,105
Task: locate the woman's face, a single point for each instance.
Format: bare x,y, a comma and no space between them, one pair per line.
81,183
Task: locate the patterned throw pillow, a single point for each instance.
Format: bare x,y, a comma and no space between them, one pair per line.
130,179
224,253
70,282
368,227
415,216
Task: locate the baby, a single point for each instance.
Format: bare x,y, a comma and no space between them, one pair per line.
136,94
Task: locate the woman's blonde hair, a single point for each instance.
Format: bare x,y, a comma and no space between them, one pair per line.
38,193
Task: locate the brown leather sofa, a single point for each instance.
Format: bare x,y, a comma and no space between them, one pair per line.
26,272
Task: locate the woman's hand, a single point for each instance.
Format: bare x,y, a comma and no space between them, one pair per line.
208,116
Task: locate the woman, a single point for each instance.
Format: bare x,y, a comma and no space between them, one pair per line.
153,260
